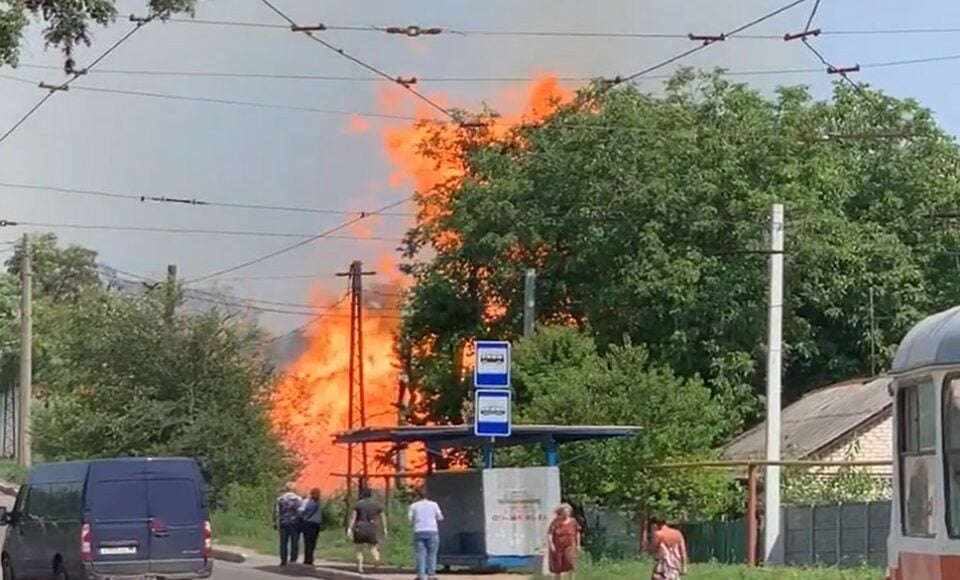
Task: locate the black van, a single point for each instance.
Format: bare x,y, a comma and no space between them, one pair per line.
109,518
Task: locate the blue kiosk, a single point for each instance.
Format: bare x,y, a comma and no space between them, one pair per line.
497,518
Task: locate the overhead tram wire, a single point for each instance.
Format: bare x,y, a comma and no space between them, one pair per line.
308,31
74,76
4,223
143,198
466,32
301,243
451,79
310,322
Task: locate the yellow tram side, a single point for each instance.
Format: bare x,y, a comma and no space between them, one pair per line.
924,540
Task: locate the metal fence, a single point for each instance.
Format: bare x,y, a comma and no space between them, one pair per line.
846,535
842,535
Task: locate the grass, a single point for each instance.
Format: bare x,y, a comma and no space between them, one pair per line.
641,569
333,545
11,472
235,530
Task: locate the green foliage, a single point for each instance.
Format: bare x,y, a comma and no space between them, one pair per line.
647,216
847,484
123,380
67,23
59,274
560,378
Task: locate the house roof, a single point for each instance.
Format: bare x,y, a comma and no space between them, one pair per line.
935,340
818,420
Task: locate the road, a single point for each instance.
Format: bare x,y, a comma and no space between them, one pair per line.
227,571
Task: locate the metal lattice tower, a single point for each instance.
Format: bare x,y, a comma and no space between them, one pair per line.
357,413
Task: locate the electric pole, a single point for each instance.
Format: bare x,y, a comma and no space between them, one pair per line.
26,355
529,302
772,547
170,304
357,413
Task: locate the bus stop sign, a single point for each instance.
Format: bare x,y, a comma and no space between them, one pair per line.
492,413
491,365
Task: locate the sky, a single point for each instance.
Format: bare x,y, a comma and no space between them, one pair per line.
128,144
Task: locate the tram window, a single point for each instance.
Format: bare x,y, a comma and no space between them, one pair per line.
951,452
917,410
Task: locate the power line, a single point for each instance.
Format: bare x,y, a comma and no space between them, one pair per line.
198,231
310,322
309,32
189,201
73,77
304,242
706,43
464,32
455,79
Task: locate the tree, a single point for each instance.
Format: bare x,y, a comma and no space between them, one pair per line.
123,380
647,216
67,23
561,378
59,274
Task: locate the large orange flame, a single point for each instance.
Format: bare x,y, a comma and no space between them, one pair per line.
311,403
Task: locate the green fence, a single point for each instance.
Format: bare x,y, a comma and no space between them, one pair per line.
722,541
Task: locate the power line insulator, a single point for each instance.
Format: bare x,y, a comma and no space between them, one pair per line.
407,82
412,31
707,38
315,28
801,35
843,71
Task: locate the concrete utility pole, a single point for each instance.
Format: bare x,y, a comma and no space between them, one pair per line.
26,356
772,547
529,302
170,306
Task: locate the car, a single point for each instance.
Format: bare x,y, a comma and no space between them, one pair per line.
104,519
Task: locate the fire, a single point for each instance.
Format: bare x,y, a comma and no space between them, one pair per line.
311,402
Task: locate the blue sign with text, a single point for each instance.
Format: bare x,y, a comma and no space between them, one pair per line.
492,413
491,365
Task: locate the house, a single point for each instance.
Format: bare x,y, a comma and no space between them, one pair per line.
852,420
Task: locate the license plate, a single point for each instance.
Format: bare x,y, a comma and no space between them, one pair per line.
118,551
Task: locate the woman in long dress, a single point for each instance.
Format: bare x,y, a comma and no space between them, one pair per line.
669,551
564,537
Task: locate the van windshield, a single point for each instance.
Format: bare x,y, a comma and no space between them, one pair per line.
119,500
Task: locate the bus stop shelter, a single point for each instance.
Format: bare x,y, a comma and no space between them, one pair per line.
496,518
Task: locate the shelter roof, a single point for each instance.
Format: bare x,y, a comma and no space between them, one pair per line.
449,436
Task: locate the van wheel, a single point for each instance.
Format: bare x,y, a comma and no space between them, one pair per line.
7,569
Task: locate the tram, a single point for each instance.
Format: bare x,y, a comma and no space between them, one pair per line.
924,539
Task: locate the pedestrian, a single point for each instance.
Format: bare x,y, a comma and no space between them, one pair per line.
425,515
669,551
564,539
311,516
286,521
362,528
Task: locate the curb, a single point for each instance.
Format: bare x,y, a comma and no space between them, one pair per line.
334,574
229,556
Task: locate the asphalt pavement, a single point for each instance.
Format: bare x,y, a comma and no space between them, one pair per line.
227,571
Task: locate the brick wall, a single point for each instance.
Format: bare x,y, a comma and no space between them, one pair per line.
871,442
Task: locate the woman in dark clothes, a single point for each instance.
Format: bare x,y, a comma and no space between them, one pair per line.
362,528
311,516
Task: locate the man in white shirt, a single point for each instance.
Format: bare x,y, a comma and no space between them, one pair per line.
425,515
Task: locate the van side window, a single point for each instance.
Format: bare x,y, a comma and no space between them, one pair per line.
65,501
35,502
